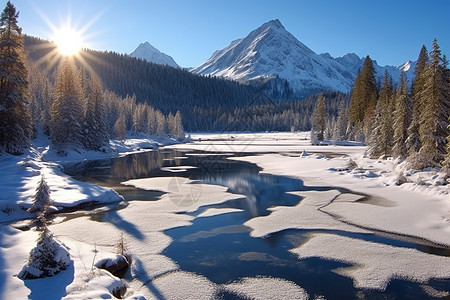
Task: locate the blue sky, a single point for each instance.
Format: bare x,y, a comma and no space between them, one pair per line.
391,32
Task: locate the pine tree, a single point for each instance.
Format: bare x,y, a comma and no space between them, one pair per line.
48,258
340,133
380,139
41,200
434,113
161,124
95,128
413,140
140,118
151,120
15,119
402,118
363,99
120,127
179,130
67,110
319,119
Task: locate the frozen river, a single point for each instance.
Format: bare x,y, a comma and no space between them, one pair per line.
211,219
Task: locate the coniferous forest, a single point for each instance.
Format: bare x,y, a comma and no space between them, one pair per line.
406,122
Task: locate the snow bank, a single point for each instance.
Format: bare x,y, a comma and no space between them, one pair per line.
373,265
305,215
19,179
261,288
182,194
185,285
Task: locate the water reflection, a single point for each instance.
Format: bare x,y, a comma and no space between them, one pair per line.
138,165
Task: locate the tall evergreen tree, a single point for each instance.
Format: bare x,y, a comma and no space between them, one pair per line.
380,138
161,123
402,118
413,140
41,199
120,127
363,98
95,128
179,130
67,110
435,110
339,133
15,119
318,119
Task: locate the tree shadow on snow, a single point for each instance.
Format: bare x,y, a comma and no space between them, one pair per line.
146,280
115,219
51,287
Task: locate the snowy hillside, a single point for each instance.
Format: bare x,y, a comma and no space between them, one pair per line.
271,51
151,54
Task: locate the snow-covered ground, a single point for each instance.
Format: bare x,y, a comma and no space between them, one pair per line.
418,210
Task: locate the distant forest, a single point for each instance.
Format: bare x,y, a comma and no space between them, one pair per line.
206,103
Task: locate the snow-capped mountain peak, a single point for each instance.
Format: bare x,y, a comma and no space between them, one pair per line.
270,51
151,54
407,66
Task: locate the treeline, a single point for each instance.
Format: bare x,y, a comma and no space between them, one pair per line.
266,115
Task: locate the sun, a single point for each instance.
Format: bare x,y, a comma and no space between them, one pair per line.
68,40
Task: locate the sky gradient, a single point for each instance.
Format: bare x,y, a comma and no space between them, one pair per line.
391,32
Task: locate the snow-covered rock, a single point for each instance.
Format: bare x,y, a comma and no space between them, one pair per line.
117,265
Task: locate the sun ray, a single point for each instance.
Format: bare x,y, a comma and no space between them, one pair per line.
70,39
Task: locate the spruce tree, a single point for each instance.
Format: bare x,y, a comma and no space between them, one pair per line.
179,130
363,99
380,138
319,119
402,118
67,110
151,120
161,124
15,119
41,200
339,133
95,127
434,113
413,140
120,127
47,259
